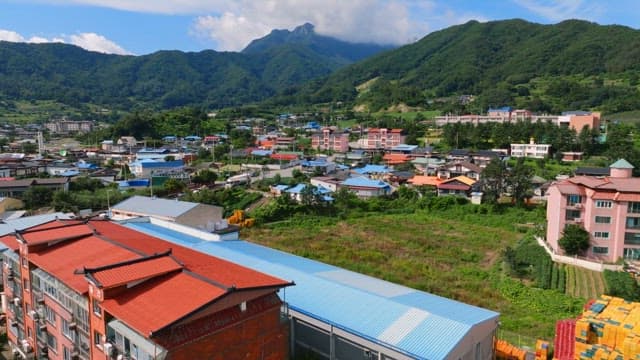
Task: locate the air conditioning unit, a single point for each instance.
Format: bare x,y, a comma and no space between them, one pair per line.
33,314
578,205
14,323
120,357
73,326
107,347
10,277
42,327
40,300
7,266
75,353
16,301
578,220
44,350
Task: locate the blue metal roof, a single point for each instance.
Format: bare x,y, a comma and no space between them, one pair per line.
419,324
404,147
369,169
365,182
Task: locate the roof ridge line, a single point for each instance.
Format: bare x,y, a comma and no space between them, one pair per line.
86,270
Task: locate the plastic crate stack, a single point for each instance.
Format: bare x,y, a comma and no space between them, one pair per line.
608,330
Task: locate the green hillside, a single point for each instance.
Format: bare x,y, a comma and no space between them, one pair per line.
573,64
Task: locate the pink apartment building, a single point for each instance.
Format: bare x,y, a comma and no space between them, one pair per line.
607,207
330,140
381,138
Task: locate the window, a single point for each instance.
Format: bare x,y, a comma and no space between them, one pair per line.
604,204
600,250
97,338
52,342
633,223
25,284
67,331
66,353
603,219
633,207
570,215
29,333
50,315
601,234
96,307
573,199
632,238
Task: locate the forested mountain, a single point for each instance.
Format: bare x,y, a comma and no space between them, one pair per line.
573,64
334,50
545,68
167,79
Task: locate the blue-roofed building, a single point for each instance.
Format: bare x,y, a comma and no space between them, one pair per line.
372,170
142,168
339,314
296,192
365,187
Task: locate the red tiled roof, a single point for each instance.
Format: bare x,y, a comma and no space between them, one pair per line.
129,272
218,270
449,186
164,300
628,196
279,156
396,158
10,241
64,259
55,234
419,180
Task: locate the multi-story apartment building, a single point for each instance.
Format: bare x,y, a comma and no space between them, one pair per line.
328,139
607,207
530,150
99,290
381,138
575,119
64,126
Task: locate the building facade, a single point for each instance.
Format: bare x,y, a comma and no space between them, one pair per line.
330,140
608,208
382,138
530,150
98,290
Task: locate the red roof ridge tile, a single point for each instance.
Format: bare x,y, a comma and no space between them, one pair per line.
86,270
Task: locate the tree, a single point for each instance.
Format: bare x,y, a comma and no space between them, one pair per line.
205,177
174,186
494,180
519,181
574,240
37,196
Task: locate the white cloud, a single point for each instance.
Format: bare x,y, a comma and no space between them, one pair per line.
88,41
171,7
95,42
8,35
558,10
380,21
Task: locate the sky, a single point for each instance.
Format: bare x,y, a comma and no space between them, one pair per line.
138,27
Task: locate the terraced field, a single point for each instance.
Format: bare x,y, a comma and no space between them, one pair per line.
583,283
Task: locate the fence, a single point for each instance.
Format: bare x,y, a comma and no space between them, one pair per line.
576,260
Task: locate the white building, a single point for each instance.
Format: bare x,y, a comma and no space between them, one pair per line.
531,150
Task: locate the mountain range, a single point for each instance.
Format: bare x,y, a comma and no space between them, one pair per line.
570,65
168,79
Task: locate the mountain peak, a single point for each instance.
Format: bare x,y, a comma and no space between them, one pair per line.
305,29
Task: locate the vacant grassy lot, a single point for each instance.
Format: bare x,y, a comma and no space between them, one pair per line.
457,256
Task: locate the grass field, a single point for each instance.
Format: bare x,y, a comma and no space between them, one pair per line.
457,256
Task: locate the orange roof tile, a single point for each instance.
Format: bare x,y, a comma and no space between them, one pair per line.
133,271
218,270
62,260
41,236
53,224
164,300
420,180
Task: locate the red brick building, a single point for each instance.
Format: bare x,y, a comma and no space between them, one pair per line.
99,290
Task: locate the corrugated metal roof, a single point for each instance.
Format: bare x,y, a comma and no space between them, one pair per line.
364,182
12,225
154,206
420,324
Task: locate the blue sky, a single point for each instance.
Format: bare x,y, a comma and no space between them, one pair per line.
144,26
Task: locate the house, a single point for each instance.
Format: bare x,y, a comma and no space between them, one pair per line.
100,290
365,187
592,171
579,119
396,159
459,155
331,140
424,180
373,171
145,168
570,156
297,192
460,186
455,169
196,215
483,157
15,188
353,158
608,208
321,166
530,150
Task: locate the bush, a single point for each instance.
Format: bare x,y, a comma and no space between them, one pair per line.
622,284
